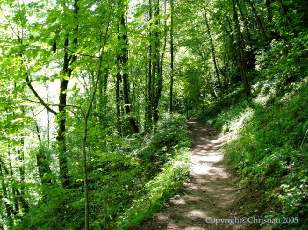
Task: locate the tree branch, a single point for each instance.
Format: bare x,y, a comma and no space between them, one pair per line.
54,104
38,96
81,54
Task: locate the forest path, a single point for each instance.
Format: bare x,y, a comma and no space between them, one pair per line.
210,193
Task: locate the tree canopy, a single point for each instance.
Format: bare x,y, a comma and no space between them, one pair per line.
94,97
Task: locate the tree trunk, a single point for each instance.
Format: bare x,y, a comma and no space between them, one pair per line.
154,87
102,88
171,56
21,194
158,78
61,133
68,60
284,12
86,116
118,102
250,52
305,13
149,91
8,207
240,51
246,24
13,184
259,20
42,161
212,48
85,172
269,11
123,62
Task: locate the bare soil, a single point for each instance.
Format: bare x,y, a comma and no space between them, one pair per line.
210,193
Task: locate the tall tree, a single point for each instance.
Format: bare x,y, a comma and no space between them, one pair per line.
68,60
149,91
212,48
171,55
155,78
123,74
241,61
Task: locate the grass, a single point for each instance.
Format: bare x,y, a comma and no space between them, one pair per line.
270,154
157,191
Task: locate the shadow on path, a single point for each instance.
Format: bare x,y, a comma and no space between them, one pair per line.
209,193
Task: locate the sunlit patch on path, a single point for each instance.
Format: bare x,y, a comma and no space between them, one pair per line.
210,191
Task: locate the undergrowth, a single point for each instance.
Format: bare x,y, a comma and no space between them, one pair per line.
270,150
270,155
157,191
125,186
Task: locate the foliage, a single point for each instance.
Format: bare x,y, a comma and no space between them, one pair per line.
90,91
221,113
280,69
157,191
271,155
127,183
270,151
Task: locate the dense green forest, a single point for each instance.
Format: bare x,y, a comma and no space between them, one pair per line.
95,95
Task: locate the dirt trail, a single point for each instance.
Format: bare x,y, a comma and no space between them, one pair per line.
210,191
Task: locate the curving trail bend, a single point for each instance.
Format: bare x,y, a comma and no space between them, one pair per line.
209,193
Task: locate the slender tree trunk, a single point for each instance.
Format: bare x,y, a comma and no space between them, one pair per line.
123,62
240,51
8,207
259,20
86,117
68,60
42,161
13,184
21,194
149,95
154,72
103,75
85,172
48,118
283,7
305,13
269,11
246,25
212,48
61,135
171,56
160,66
250,52
158,78
118,102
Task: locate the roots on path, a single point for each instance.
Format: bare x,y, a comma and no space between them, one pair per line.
209,194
